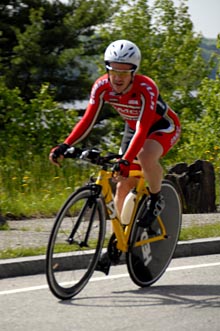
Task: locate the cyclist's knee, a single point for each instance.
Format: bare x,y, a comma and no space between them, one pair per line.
151,165
151,150
150,155
125,185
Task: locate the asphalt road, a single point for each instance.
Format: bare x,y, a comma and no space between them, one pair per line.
186,297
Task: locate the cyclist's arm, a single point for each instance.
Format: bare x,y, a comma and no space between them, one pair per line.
85,125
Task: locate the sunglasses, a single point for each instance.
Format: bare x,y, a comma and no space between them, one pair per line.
116,72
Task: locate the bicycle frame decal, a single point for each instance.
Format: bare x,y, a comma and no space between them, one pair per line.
146,250
111,209
102,179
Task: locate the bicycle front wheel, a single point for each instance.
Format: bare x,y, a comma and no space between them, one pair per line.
75,243
147,263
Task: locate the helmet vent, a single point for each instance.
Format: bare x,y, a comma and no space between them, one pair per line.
131,54
126,54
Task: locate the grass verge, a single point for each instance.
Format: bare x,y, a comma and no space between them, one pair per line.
198,232
189,233
11,253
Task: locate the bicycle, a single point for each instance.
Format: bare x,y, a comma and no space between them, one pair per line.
77,237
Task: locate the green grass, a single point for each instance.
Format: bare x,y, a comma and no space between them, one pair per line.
4,227
198,232
11,253
38,189
33,187
189,233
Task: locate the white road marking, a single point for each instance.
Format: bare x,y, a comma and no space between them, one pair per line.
97,279
204,265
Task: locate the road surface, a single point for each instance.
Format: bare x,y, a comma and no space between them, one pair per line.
186,297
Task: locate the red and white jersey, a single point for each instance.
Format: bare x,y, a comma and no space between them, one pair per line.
138,107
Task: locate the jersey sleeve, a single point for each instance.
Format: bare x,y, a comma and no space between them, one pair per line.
149,96
85,125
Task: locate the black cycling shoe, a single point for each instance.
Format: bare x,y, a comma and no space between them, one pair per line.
152,211
104,264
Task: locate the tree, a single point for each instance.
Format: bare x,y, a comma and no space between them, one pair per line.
204,134
27,129
49,41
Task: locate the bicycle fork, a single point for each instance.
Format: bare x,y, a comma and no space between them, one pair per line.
90,203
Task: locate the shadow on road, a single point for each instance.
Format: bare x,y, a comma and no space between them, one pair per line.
200,296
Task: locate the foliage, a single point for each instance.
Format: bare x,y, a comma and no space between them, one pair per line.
31,127
49,41
47,47
201,137
32,187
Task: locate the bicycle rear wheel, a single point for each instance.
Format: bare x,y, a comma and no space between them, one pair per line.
147,263
75,243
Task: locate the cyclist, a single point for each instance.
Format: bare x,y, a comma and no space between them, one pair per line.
151,126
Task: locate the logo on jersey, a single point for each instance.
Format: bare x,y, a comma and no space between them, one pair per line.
152,95
113,100
128,113
133,102
176,136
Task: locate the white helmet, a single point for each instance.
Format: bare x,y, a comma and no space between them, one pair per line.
123,51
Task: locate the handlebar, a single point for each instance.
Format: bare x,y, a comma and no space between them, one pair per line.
91,155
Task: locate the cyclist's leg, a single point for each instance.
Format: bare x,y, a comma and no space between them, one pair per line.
160,140
161,137
149,157
123,187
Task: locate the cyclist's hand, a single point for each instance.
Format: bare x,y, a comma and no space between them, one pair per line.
58,152
122,167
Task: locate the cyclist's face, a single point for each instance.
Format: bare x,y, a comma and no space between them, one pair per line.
120,76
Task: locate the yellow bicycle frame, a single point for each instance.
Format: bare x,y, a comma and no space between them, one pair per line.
122,233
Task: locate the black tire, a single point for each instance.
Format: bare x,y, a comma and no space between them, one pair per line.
147,263
70,262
